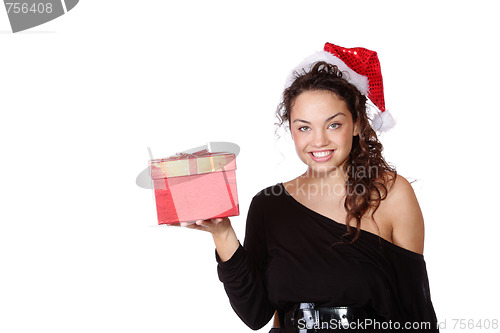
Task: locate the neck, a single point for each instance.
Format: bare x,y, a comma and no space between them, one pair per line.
323,183
336,175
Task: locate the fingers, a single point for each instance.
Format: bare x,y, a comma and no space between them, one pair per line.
217,220
197,227
206,225
210,223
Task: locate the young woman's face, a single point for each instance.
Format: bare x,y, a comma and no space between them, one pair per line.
322,130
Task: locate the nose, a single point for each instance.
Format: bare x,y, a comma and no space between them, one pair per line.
320,139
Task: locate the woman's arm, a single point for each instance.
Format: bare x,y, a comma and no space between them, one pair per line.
240,268
223,234
404,214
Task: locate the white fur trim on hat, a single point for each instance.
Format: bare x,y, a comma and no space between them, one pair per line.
380,121
359,81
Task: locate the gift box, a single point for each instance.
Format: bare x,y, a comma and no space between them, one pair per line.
198,186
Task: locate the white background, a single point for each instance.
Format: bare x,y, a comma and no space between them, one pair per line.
82,97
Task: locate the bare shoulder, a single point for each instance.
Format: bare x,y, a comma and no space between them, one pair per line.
402,212
400,190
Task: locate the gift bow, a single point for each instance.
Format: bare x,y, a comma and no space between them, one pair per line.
203,152
144,179
185,164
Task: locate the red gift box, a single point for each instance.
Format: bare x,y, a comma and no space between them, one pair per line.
198,186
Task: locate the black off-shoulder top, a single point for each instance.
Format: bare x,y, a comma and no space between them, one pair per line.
288,258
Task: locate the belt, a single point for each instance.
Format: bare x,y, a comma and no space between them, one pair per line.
306,317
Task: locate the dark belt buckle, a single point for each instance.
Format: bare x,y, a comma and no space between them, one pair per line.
310,318
302,318
306,317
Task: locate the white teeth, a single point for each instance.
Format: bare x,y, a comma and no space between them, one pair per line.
322,153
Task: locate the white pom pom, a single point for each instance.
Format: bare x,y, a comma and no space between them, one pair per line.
382,121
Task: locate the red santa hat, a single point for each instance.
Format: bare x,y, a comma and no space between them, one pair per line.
361,68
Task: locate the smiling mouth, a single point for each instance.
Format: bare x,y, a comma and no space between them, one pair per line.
321,154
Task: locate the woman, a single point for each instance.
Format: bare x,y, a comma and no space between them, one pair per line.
341,245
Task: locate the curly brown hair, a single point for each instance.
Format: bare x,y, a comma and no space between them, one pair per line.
366,168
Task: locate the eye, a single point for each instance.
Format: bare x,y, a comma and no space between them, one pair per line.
304,128
334,126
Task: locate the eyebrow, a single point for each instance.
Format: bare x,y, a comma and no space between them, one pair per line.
326,120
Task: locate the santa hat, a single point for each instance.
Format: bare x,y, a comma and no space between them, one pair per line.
361,68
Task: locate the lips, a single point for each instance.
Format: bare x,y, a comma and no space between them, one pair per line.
321,155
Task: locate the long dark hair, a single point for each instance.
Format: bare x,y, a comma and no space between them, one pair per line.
368,174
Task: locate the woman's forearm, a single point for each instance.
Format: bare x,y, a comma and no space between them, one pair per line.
226,243
223,234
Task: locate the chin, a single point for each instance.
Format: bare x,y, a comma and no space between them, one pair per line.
322,170
332,168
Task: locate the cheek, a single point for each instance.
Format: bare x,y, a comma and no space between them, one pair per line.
300,142
346,140
297,140
343,139
295,134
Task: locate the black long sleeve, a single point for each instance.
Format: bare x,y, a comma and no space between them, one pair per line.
243,277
